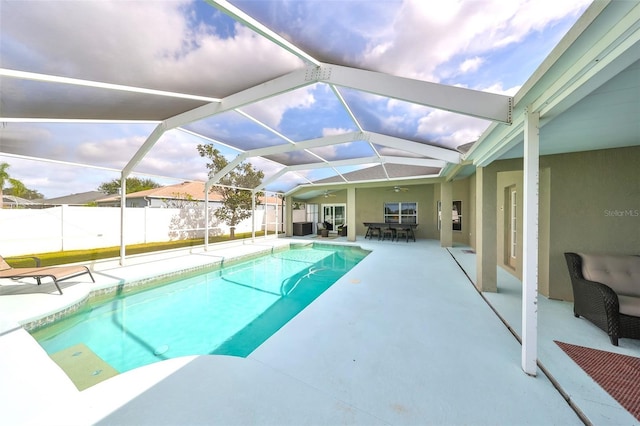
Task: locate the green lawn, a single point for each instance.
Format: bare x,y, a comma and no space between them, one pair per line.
75,256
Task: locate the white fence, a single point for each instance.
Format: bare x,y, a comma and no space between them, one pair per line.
27,231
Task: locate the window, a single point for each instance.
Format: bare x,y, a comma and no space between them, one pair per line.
457,216
401,213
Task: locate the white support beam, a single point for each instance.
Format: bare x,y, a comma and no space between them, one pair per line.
226,169
485,105
144,149
530,244
286,83
421,149
238,15
408,161
272,178
4,72
308,144
312,166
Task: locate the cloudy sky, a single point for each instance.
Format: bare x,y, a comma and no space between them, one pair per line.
190,47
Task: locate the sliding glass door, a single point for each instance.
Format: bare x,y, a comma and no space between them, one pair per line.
335,214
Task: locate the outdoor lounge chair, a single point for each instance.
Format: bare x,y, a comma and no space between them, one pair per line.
606,291
56,273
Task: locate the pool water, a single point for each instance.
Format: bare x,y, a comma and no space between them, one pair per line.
229,311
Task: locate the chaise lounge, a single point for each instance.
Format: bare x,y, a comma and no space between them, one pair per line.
56,273
606,291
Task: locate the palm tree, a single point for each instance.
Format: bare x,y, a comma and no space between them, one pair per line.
4,177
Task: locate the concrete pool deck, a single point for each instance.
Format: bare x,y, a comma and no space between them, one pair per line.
403,338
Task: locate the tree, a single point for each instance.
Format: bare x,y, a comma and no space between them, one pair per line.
17,188
236,202
134,184
4,177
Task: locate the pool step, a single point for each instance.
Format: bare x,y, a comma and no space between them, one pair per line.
83,366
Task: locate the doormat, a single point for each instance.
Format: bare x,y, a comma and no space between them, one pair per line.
618,374
467,251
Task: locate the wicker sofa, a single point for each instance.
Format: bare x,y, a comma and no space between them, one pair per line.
606,291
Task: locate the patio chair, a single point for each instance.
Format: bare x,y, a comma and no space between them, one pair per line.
388,232
56,273
606,291
404,232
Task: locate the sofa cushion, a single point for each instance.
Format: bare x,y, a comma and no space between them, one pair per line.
629,305
620,272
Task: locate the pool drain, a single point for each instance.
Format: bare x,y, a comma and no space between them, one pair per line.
161,350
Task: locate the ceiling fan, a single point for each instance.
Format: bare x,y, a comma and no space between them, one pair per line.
328,194
399,189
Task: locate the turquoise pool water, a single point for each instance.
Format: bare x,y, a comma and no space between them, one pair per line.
229,311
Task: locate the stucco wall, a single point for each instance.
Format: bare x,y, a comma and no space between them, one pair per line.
370,206
588,202
595,208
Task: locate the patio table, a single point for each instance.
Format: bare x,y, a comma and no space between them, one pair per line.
410,227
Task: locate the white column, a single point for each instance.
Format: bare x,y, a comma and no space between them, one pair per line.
206,217
123,205
351,214
446,225
530,243
253,216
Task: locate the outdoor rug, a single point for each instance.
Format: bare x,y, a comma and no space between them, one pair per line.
618,374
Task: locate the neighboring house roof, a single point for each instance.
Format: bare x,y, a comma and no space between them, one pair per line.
80,199
11,200
180,191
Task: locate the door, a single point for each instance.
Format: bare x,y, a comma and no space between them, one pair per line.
511,234
335,214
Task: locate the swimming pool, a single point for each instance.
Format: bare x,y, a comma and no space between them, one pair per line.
230,311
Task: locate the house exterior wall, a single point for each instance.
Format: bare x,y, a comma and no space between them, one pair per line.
370,206
595,208
588,202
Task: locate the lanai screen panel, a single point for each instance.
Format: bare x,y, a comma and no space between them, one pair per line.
176,46
235,130
67,101
345,151
194,48
306,113
413,122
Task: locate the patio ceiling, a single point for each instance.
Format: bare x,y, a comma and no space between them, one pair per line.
249,105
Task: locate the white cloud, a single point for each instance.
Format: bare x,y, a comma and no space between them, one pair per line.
451,129
426,34
271,111
332,131
471,64
152,43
